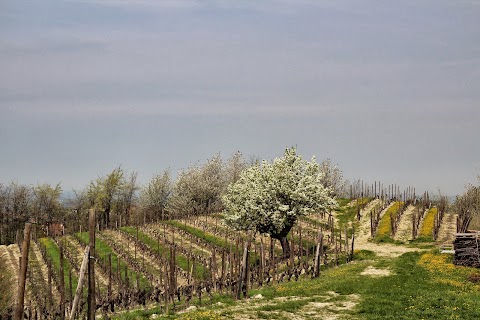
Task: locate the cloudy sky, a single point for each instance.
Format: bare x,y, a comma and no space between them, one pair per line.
389,90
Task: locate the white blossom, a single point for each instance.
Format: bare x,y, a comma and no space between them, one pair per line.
269,197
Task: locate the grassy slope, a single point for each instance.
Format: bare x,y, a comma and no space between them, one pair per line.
348,215
421,286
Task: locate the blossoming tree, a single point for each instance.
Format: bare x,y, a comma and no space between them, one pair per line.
269,197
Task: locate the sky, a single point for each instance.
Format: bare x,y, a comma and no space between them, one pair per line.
388,90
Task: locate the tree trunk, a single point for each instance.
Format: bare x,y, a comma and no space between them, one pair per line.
282,237
285,246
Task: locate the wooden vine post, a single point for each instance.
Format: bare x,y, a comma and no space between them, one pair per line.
62,284
318,254
91,306
109,288
242,280
78,292
18,315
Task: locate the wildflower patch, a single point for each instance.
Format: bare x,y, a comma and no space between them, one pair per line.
428,222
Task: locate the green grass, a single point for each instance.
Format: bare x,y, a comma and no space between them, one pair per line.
102,249
420,286
217,241
347,214
53,253
153,245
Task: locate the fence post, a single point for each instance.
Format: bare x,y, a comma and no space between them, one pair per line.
78,292
91,267
23,273
62,283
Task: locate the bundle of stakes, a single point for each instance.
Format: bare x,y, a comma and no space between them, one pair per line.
467,251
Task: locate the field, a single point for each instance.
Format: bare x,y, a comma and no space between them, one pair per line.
194,265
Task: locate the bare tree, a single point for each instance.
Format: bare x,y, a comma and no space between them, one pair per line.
332,177
234,167
155,195
198,189
468,207
16,202
127,198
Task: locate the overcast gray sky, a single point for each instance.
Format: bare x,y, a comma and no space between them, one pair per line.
389,90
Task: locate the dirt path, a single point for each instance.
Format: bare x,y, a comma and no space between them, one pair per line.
13,252
448,229
404,230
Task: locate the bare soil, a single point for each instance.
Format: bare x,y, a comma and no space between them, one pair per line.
362,238
448,228
12,271
43,269
363,232
374,272
404,231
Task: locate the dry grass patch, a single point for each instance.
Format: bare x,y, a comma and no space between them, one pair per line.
374,272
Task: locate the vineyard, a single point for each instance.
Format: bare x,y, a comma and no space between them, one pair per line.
170,265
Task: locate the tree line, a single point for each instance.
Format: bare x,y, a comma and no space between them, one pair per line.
120,200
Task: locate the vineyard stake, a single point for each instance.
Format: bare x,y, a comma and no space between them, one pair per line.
91,306
70,287
62,284
78,292
109,288
50,295
318,254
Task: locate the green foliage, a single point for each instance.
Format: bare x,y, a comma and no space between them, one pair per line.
114,193
47,203
360,255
